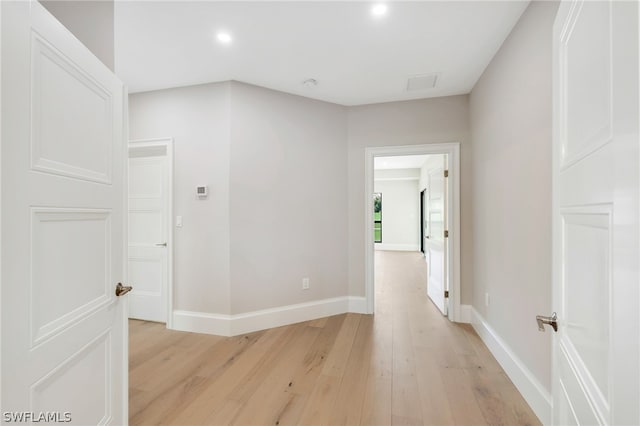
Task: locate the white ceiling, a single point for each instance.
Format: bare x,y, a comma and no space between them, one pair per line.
399,162
356,58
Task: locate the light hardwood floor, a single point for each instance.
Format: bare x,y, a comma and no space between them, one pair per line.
406,365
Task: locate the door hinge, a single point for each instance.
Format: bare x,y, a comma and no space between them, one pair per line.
446,173
446,234
446,294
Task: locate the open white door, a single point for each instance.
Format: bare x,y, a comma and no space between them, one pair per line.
149,229
64,352
595,214
436,241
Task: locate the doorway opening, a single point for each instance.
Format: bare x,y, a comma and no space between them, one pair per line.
422,214
150,236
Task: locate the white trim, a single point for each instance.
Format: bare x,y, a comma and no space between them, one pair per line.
233,325
453,157
201,322
125,252
168,144
466,314
382,179
397,247
538,398
357,304
1,102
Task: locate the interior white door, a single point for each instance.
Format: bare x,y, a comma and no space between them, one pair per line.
436,243
595,213
63,328
148,224
424,222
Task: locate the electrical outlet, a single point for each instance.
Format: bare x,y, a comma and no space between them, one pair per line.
305,283
486,299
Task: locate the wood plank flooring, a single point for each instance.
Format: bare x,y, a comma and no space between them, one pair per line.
406,365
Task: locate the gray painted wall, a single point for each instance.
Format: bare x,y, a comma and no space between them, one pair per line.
511,197
436,120
277,210
288,199
197,117
91,22
298,160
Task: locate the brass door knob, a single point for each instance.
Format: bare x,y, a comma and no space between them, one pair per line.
121,290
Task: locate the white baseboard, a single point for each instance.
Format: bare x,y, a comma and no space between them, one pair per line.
357,305
538,398
202,322
233,325
397,247
465,314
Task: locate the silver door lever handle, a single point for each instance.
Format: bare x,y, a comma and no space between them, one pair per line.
161,245
552,321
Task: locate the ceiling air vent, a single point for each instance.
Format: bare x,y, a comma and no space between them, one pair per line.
422,82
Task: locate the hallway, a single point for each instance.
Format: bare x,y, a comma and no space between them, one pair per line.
406,365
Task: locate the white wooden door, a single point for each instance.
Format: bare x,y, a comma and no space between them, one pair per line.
436,243
64,334
424,223
148,232
595,214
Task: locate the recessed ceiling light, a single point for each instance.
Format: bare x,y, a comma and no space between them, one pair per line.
224,37
379,9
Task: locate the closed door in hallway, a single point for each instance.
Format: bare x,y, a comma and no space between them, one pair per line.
149,229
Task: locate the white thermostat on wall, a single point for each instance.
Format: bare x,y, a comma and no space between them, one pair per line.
202,191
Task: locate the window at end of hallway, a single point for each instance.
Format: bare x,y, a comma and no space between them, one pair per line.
377,217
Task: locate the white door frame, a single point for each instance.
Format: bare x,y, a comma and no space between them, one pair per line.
453,216
125,247
1,200
167,144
